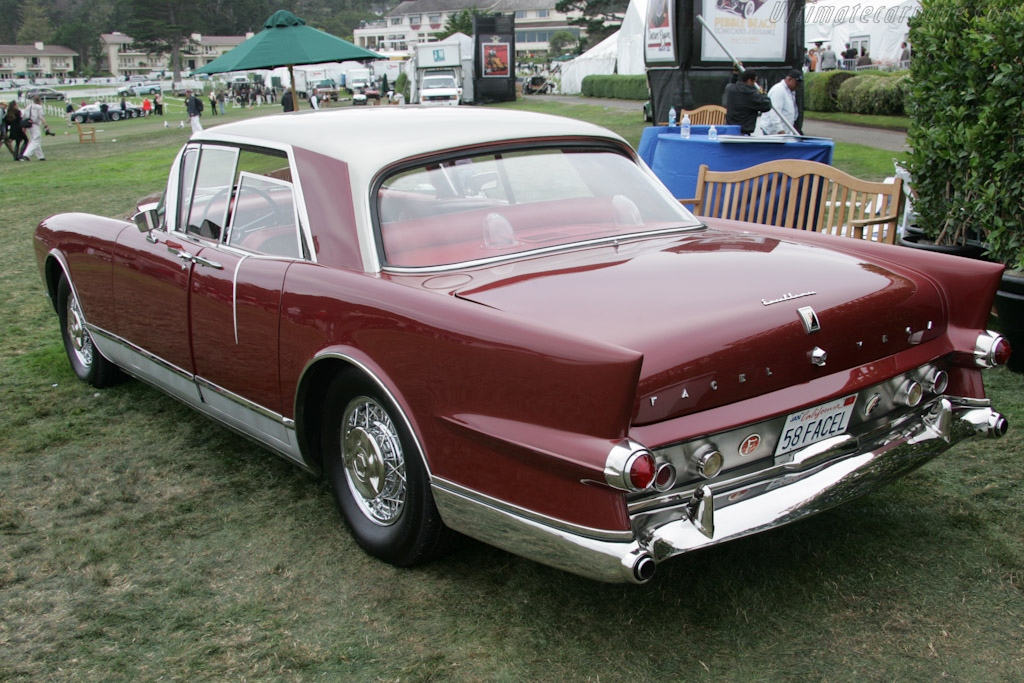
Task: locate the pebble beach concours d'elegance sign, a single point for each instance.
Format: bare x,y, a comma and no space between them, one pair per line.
752,30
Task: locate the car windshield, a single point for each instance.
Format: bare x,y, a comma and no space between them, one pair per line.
494,205
438,82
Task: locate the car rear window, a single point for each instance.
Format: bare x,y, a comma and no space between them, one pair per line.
492,205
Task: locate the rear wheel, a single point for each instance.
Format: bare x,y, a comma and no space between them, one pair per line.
379,480
115,115
88,363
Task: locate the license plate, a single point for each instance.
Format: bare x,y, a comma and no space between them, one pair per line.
816,424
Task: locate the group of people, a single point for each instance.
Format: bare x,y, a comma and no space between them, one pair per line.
820,58
21,131
753,111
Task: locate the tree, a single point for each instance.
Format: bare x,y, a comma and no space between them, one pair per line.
561,42
600,18
461,22
35,24
164,26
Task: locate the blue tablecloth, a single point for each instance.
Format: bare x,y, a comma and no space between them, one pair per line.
676,161
649,138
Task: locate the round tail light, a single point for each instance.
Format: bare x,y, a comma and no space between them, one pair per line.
991,350
630,467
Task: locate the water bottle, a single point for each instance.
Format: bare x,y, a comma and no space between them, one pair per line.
672,116
684,127
712,133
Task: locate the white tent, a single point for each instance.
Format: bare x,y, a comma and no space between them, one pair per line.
881,27
622,52
599,59
631,39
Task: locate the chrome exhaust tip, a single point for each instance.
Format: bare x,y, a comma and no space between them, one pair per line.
998,426
987,422
644,568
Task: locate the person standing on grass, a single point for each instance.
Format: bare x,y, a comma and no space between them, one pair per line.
147,107
6,135
69,110
194,107
34,114
213,102
158,104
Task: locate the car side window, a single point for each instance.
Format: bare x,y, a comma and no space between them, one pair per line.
264,218
188,179
211,194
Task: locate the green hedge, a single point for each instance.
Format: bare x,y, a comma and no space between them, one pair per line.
967,123
876,94
821,89
614,86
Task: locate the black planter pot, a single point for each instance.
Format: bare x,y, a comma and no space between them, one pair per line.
917,240
1010,308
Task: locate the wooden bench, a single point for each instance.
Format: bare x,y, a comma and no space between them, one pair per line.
87,134
708,115
803,195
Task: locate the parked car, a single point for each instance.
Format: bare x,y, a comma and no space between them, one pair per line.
45,93
326,90
440,90
500,323
136,89
92,112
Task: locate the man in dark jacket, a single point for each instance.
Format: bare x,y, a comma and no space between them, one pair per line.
743,102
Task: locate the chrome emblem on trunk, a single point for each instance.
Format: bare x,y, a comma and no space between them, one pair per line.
786,297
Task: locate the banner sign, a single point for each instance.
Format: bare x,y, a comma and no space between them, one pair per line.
496,60
659,33
753,30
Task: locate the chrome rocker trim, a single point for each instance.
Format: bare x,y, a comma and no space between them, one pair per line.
818,477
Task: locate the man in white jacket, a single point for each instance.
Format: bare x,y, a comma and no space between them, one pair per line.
783,97
34,113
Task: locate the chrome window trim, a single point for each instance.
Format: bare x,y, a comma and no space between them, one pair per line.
569,246
300,199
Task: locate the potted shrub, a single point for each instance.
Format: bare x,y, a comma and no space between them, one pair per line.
967,133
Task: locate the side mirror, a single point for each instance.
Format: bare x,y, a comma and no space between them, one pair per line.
147,216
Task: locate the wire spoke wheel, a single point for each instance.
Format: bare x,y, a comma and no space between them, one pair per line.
374,461
81,342
377,474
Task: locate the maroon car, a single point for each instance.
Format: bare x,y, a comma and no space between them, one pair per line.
501,324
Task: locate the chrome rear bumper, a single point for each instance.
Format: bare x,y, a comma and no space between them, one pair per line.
816,478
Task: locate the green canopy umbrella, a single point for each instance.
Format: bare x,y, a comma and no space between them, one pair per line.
286,41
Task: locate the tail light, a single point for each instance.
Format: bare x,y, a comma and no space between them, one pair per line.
630,467
991,350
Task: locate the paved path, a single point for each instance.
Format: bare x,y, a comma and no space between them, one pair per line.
892,140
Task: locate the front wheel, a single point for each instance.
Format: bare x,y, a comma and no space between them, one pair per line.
379,481
88,363
115,116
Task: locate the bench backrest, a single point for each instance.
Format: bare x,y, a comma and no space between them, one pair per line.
707,115
804,195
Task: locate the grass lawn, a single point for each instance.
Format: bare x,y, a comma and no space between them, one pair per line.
139,541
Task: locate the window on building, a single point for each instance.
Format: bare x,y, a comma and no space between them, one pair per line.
520,14
542,13
396,21
415,19
434,19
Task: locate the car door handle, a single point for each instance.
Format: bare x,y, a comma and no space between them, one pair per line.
199,260
188,257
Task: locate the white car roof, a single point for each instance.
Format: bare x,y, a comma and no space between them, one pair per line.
370,138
